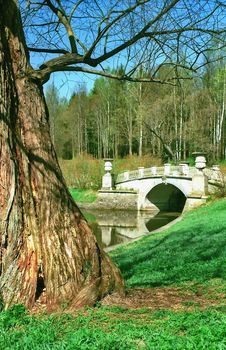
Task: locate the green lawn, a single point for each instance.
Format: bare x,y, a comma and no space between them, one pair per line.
189,256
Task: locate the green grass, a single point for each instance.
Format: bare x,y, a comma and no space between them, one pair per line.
193,250
189,255
83,195
115,328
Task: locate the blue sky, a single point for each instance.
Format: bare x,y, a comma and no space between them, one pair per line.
67,83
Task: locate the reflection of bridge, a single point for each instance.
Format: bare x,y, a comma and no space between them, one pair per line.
121,226
169,188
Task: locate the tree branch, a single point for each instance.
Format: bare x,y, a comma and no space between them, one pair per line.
166,147
53,51
136,37
145,35
108,26
63,19
181,30
44,73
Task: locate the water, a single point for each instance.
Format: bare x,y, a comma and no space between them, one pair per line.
115,227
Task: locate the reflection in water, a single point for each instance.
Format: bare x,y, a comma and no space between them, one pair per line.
119,226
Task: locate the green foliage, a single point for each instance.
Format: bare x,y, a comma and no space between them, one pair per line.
112,119
91,218
13,316
191,161
193,250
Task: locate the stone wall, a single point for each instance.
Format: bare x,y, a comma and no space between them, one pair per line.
114,200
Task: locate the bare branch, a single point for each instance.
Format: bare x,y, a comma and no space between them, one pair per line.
53,51
74,9
182,30
166,147
44,73
137,36
63,19
117,19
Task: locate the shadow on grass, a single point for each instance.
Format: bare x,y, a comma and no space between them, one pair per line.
194,250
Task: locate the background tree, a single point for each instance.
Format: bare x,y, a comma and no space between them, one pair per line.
45,241
57,107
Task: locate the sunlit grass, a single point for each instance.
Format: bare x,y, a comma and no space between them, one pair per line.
115,328
193,250
83,195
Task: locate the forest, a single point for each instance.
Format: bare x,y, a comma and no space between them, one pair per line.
120,118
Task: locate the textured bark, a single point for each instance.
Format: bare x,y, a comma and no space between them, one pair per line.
45,241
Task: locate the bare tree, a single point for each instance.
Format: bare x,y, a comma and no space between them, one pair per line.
45,241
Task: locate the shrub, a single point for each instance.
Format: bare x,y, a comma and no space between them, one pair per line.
84,171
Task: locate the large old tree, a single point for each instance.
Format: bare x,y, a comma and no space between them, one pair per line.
45,241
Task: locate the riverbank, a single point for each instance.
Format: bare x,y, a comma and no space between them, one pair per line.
83,196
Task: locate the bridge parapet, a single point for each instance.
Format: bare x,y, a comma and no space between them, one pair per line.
183,170
167,170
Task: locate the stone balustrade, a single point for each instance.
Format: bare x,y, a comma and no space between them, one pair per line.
181,170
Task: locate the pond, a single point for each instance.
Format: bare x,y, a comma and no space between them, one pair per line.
116,227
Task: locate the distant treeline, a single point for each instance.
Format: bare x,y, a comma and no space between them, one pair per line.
119,118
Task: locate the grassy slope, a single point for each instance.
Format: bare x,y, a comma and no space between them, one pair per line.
190,253
194,251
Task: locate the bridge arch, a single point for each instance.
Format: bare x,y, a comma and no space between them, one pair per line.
166,197
169,188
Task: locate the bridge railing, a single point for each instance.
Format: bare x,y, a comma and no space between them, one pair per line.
153,172
182,170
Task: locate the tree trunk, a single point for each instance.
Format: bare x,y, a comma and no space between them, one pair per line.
45,241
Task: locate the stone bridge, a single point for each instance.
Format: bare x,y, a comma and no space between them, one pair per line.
171,188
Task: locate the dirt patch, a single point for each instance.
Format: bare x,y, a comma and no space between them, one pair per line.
166,298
